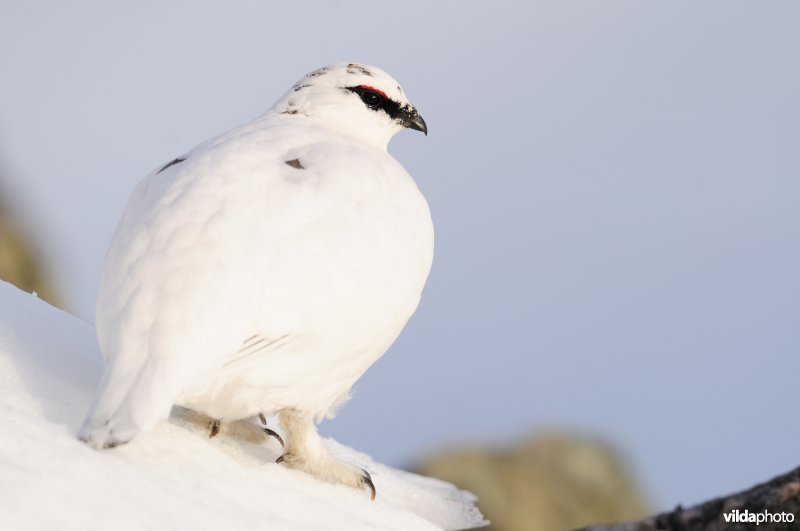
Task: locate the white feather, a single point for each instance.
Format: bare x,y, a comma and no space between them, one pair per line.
236,283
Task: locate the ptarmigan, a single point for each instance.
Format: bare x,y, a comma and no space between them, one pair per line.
265,270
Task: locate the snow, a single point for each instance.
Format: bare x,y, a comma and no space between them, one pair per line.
174,477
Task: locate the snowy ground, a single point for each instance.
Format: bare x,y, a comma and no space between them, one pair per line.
175,477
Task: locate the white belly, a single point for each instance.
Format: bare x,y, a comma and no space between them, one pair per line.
343,322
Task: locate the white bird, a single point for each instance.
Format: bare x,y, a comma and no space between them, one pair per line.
265,270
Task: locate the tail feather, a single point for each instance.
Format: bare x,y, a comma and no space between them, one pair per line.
127,402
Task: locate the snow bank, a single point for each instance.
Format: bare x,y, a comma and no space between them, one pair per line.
175,477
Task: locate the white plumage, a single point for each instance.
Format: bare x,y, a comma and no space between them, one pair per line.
267,269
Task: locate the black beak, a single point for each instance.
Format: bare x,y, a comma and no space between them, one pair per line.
410,118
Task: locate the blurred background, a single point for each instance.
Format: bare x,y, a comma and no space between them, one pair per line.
611,323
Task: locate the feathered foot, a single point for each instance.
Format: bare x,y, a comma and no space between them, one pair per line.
238,429
306,452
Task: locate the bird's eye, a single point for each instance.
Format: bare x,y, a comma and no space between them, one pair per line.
373,99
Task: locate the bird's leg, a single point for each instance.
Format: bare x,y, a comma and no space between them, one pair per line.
305,451
271,433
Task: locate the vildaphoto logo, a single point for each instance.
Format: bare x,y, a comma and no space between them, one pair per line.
744,517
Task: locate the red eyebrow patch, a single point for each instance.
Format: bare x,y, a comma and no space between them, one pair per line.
373,89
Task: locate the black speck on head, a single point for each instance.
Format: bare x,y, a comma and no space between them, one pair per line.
290,111
353,68
292,103
298,88
295,163
399,89
317,73
174,162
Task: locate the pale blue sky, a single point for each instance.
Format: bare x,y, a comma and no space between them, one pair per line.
614,185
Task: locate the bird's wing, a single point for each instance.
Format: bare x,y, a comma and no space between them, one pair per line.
256,346
203,259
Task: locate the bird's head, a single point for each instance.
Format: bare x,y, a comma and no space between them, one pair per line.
358,100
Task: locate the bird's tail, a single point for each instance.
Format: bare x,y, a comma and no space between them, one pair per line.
129,400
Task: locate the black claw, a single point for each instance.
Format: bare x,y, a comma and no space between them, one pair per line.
366,479
279,460
213,428
274,434
262,418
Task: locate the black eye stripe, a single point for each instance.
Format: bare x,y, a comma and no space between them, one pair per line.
376,101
